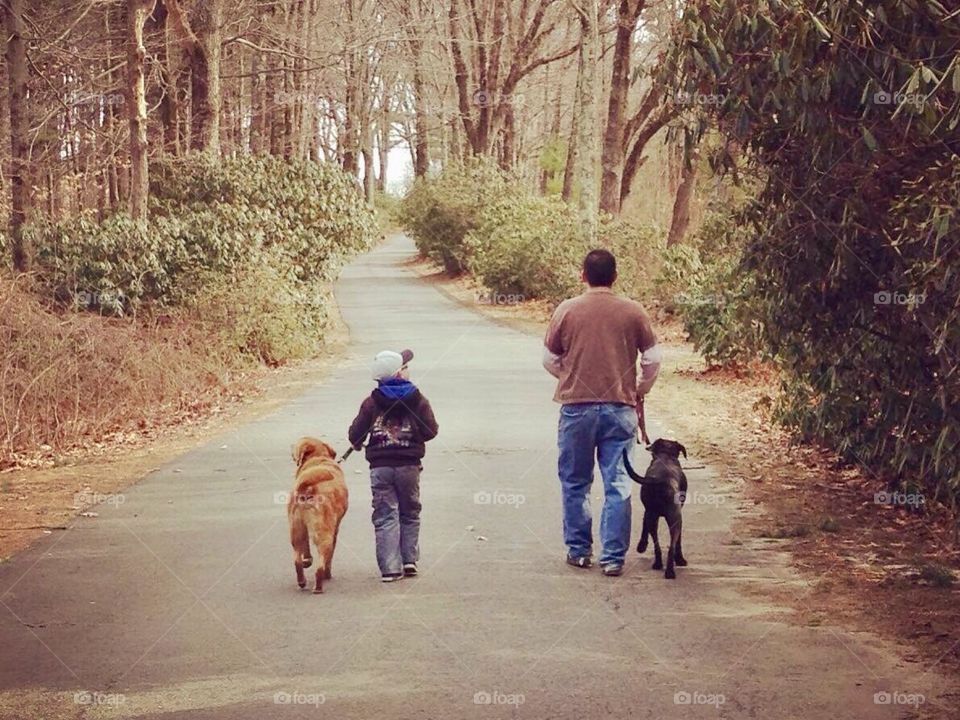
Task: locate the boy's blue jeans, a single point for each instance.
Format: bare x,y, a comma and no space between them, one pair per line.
602,430
396,516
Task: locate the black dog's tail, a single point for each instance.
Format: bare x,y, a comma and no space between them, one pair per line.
641,479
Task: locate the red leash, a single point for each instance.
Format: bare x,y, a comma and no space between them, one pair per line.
642,423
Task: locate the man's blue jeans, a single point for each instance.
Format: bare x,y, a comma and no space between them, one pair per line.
600,430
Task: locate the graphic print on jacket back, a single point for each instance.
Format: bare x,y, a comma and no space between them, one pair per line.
393,430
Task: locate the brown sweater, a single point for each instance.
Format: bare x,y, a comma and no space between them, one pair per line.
598,336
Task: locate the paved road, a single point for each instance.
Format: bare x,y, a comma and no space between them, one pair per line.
181,601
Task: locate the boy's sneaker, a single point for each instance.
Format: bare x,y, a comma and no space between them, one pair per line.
613,569
391,578
410,569
583,561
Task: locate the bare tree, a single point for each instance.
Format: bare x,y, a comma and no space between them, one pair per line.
587,97
137,12
493,47
628,13
16,57
200,41
680,221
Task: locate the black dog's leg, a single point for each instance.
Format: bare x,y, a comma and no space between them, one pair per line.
645,533
657,555
675,528
681,560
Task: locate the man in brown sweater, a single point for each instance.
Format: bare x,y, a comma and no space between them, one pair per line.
591,347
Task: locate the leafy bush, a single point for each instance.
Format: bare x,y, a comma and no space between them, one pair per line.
262,313
386,207
313,211
852,245
716,299
440,211
553,158
529,246
637,248
219,216
235,259
475,218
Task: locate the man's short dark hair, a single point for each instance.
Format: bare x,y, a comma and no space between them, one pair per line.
600,268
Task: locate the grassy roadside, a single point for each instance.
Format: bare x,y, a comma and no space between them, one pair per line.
45,497
857,554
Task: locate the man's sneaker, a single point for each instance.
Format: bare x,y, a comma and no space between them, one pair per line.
613,569
390,578
583,561
410,569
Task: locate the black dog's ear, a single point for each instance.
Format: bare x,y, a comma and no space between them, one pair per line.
683,450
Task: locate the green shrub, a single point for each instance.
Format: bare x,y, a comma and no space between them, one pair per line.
313,211
475,218
529,246
705,283
386,208
261,312
853,238
637,249
533,246
553,158
440,211
218,216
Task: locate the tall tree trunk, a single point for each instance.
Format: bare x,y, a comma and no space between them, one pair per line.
422,143
681,205
367,174
201,41
160,95
258,106
587,94
205,78
569,168
176,75
636,157
508,148
111,112
628,12
137,12
383,147
348,141
4,123
19,148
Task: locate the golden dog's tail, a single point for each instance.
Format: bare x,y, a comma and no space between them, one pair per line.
307,487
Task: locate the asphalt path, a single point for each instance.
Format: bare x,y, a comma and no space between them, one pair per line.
179,599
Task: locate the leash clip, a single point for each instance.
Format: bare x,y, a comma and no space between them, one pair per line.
345,455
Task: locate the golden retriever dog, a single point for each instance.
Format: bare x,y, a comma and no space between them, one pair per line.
316,507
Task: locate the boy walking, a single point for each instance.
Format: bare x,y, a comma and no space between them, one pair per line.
399,421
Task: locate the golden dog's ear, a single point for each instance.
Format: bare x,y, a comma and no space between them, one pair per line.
302,449
307,447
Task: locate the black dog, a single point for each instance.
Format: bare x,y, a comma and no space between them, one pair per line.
664,490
